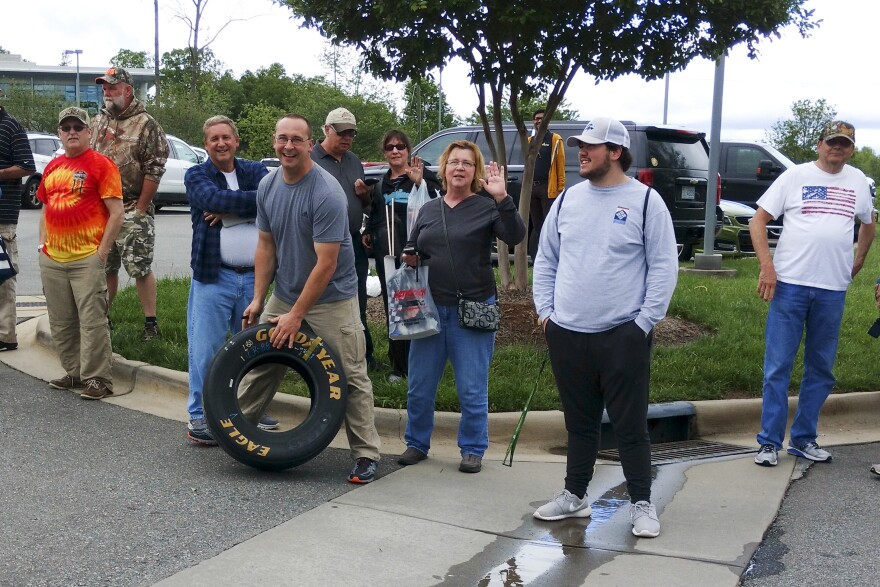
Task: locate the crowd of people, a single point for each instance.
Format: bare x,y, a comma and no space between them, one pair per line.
605,268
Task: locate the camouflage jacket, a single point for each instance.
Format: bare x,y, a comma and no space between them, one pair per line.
136,143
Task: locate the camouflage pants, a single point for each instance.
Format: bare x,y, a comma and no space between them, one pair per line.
134,245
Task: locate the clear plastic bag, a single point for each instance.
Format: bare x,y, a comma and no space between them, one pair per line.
412,313
417,198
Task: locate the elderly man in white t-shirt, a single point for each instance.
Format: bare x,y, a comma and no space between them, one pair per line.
806,282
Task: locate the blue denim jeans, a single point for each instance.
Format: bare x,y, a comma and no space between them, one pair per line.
213,310
470,352
796,308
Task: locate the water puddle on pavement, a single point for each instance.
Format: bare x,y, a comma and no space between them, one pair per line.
544,556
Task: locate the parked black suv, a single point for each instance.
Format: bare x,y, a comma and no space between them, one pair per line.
673,161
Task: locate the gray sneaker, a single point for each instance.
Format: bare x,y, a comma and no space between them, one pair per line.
767,456
267,423
644,519
197,432
68,382
470,464
810,451
564,505
411,456
875,469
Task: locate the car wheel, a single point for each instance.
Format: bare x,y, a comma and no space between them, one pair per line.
29,200
243,440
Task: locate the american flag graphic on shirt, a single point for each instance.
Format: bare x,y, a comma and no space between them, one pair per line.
820,199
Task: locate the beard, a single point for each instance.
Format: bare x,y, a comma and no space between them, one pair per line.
115,105
599,170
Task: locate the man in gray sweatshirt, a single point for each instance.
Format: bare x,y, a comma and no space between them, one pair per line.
604,274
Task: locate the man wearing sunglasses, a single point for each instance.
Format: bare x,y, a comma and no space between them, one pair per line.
334,155
805,282
81,192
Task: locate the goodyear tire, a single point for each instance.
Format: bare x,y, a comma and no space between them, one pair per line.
313,360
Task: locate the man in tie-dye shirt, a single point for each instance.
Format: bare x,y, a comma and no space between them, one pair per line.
82,211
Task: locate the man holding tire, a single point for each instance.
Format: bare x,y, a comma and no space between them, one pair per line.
305,246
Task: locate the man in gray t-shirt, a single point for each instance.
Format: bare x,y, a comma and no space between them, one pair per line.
305,247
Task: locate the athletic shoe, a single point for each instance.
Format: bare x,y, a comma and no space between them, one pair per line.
875,469
470,464
151,332
8,346
268,423
644,519
767,457
197,432
68,383
411,456
364,471
395,379
810,451
95,389
564,505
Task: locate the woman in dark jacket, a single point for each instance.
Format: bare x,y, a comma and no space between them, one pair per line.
460,268
388,218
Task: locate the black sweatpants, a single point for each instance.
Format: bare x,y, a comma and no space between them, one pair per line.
608,370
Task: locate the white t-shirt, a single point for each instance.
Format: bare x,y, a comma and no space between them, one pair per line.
816,245
238,239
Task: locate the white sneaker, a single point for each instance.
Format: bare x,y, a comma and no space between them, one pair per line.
564,505
766,456
810,451
644,519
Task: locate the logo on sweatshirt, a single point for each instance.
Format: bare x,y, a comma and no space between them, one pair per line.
620,215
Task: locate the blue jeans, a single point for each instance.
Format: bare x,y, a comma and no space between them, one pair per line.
470,352
213,310
794,308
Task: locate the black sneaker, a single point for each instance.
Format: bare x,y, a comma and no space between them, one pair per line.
364,471
197,432
8,346
151,332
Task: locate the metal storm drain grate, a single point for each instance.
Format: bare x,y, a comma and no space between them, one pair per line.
687,450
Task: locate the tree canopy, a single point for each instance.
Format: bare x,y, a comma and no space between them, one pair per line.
522,48
797,136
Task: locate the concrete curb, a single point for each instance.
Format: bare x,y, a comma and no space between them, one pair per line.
846,418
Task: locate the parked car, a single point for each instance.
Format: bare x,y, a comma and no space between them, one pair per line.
171,190
203,154
747,170
673,161
270,162
43,147
734,238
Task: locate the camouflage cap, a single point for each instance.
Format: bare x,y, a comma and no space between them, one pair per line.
839,128
74,112
115,75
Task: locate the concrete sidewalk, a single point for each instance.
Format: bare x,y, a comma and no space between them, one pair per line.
432,525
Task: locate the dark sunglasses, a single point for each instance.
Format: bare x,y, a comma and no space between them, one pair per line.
395,147
69,127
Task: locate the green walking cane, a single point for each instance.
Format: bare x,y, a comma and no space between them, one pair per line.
508,456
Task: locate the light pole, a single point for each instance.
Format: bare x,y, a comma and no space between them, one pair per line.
75,52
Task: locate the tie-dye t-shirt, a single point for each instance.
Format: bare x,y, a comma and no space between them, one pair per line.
72,191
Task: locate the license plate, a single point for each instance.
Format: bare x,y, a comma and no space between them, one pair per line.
688,192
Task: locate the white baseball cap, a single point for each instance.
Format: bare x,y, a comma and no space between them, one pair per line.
602,130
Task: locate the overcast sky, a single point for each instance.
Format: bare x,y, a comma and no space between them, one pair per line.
836,62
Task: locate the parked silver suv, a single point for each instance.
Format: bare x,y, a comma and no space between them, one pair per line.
43,147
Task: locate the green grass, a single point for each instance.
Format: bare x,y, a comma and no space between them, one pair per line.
724,365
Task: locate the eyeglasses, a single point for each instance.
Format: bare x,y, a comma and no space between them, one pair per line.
395,147
838,142
350,133
69,127
283,140
463,164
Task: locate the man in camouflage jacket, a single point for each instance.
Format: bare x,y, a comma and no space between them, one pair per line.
127,134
